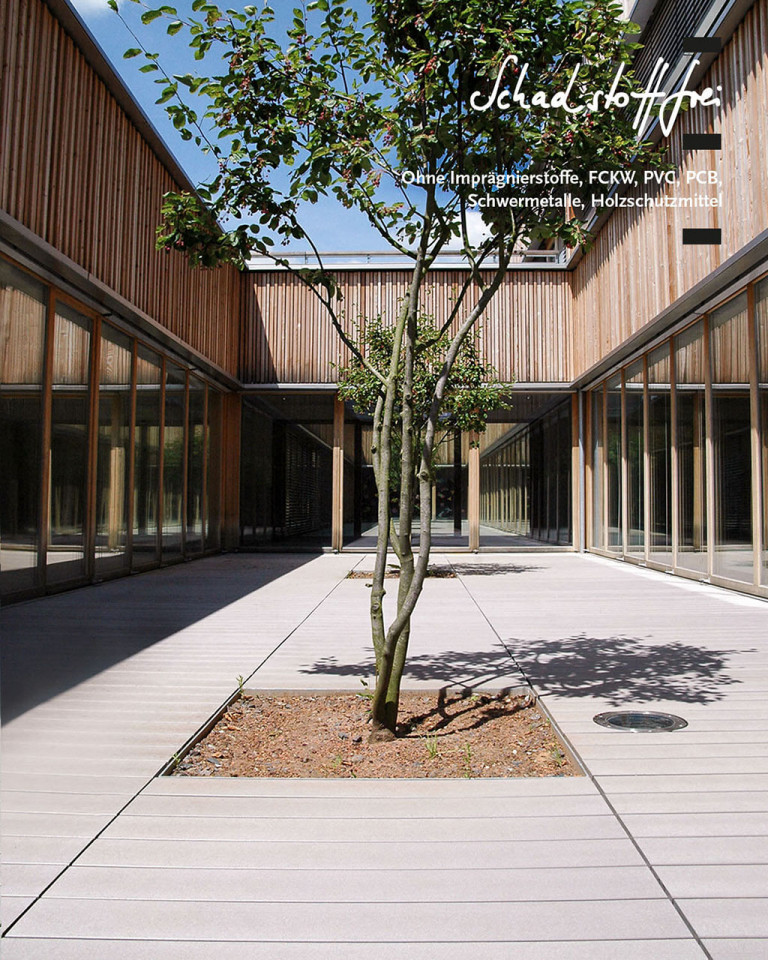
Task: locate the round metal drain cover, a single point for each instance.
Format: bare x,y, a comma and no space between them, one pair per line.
639,722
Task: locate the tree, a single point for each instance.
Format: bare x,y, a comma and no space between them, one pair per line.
422,116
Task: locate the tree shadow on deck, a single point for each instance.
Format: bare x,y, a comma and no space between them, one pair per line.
624,670
617,669
462,668
52,644
492,569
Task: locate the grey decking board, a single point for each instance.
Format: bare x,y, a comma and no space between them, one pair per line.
354,806
18,948
280,922
357,885
394,830
348,855
719,881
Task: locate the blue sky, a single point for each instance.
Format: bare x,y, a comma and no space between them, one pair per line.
331,226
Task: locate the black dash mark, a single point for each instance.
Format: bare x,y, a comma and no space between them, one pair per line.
702,45
701,237
702,141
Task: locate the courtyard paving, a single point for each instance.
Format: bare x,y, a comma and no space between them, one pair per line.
660,851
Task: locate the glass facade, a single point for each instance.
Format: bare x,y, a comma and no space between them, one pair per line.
525,480
100,438
113,456
23,306
659,456
69,447
681,436
287,470
731,440
146,457
761,322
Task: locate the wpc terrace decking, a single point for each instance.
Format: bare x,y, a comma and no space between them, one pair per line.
662,853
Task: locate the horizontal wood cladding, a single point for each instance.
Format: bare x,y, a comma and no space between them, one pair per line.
639,265
288,337
75,171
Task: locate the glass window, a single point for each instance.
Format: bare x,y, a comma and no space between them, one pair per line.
614,538
195,455
113,456
213,462
146,454
504,484
731,441
173,460
69,444
22,334
598,469
633,387
659,457
691,459
761,306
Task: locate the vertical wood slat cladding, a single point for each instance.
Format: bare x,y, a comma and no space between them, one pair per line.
75,171
638,265
288,338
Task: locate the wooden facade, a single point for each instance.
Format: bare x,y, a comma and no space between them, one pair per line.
526,333
639,265
76,171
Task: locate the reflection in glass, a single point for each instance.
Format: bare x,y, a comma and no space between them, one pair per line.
146,452
731,440
449,492
195,439
213,481
505,490
633,386
525,480
173,461
113,460
22,334
69,444
691,460
659,456
761,308
613,463
598,469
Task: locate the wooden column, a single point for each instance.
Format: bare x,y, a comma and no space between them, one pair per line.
473,493
230,471
337,495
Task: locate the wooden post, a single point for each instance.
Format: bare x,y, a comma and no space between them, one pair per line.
473,494
337,494
116,506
